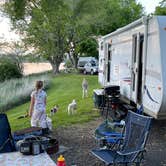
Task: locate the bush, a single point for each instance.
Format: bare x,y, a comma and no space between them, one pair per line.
8,70
68,64
17,91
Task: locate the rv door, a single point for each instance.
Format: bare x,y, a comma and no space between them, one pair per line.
137,67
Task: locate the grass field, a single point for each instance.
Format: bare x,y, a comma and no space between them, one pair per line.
63,89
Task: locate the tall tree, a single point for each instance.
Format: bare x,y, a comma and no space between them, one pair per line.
81,17
51,26
45,27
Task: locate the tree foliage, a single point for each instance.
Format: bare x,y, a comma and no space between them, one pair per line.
9,69
161,9
47,31
88,47
54,27
115,14
98,17
44,25
82,16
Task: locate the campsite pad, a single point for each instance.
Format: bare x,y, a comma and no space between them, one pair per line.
79,139
17,159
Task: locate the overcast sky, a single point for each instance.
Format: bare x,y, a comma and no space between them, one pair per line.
149,5
5,28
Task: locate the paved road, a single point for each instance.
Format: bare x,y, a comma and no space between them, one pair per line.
156,145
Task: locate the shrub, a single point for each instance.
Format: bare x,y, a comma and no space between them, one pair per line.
68,64
9,69
17,91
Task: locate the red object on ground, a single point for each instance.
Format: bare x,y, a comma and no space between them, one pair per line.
61,161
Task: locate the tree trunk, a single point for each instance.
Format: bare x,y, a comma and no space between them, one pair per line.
75,60
55,68
70,58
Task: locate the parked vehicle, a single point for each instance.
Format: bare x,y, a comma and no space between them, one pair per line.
134,57
83,60
91,67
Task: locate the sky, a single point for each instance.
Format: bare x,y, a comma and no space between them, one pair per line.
149,5
6,33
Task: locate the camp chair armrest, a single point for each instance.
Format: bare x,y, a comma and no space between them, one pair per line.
116,124
110,137
137,151
126,154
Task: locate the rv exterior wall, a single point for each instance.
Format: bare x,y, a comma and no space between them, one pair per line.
138,68
162,40
152,97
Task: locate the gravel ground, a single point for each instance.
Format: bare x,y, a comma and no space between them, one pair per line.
79,141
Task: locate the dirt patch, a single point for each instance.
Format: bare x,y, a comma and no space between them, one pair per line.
79,140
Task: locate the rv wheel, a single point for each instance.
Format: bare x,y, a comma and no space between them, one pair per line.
91,72
84,71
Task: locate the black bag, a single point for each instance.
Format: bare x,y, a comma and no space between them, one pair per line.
30,146
52,146
34,145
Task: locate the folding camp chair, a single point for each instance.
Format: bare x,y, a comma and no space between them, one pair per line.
108,133
133,147
6,140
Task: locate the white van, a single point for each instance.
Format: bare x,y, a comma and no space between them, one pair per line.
91,67
84,60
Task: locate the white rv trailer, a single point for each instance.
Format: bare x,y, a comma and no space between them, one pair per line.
134,57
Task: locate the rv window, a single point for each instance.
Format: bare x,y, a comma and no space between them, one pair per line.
134,47
134,53
93,63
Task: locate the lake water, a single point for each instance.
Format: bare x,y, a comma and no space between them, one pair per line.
30,68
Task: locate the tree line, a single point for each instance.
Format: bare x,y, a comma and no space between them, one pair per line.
56,27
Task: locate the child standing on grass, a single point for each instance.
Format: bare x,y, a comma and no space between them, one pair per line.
37,110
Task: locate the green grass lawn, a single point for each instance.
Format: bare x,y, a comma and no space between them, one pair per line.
63,89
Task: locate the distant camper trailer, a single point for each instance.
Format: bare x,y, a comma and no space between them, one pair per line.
134,57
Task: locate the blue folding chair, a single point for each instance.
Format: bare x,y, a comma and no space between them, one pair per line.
140,110
6,140
108,133
133,145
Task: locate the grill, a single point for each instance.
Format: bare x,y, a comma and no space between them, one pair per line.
112,94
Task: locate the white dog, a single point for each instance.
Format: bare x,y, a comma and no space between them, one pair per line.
72,108
49,123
